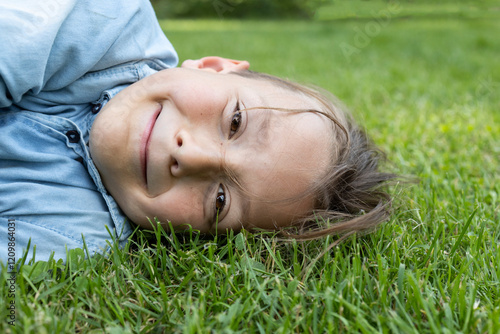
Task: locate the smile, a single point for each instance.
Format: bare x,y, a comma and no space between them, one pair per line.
145,140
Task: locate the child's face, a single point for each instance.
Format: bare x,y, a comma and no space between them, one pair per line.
160,146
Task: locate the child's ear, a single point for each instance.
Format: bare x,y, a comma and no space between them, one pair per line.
217,64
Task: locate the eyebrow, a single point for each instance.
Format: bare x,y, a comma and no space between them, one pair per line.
264,128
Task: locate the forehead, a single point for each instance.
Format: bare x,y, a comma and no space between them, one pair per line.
293,155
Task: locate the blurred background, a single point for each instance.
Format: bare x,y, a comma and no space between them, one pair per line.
316,9
237,8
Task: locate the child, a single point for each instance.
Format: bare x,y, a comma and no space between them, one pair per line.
99,129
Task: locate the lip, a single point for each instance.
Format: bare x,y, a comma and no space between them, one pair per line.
145,140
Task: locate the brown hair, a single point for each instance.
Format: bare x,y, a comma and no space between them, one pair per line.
352,196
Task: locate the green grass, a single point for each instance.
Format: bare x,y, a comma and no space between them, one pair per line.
427,90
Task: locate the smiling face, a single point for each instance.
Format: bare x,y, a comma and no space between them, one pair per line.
184,145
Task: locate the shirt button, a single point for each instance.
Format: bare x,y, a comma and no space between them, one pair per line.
73,136
96,108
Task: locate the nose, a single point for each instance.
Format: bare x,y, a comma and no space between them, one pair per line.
195,155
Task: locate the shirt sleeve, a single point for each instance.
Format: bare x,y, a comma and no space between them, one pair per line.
48,45
27,38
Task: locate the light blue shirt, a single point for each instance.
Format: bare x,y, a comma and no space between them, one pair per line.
61,61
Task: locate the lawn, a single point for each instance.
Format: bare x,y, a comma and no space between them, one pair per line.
427,89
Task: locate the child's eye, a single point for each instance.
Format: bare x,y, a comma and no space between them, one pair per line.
220,201
235,122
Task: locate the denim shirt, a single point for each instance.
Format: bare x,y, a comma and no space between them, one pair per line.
61,61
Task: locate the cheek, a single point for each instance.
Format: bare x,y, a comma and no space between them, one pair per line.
108,141
200,101
180,205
